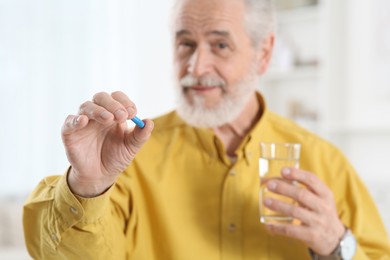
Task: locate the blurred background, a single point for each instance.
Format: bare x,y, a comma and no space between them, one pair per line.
330,73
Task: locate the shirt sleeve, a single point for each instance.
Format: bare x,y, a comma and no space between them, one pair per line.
59,225
358,212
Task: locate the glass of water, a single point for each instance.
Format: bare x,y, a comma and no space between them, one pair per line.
273,158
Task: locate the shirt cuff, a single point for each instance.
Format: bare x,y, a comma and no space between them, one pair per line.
77,209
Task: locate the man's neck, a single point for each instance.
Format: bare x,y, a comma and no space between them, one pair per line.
231,134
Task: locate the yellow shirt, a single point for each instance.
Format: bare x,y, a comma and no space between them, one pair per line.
182,198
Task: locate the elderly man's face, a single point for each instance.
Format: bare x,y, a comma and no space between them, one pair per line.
214,54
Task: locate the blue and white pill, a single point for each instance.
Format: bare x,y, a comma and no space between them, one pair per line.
138,122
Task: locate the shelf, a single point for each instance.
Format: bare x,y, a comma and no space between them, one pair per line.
304,14
371,129
303,73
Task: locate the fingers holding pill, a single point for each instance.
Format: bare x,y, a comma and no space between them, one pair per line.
124,100
96,112
105,108
139,136
99,144
107,102
131,109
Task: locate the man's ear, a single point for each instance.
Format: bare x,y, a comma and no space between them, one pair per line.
265,53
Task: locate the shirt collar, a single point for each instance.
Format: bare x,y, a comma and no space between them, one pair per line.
250,145
249,148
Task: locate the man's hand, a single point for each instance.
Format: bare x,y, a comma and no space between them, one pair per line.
320,228
98,143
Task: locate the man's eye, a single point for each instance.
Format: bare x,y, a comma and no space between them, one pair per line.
187,44
222,45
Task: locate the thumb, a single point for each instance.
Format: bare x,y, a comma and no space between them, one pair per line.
139,136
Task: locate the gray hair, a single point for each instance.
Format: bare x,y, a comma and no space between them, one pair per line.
259,18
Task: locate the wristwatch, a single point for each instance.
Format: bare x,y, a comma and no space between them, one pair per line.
345,250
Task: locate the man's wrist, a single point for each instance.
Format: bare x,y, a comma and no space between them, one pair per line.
345,250
84,189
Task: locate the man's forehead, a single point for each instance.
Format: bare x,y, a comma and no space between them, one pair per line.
223,33
181,3
208,9
208,17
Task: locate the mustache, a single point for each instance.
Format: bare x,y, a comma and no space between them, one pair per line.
207,80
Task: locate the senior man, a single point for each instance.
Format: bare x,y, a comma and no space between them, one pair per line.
189,189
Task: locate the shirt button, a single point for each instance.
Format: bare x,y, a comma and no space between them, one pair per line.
74,210
54,237
248,154
232,172
232,227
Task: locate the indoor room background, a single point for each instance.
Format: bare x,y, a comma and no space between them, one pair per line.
330,73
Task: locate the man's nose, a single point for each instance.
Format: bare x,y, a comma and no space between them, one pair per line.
201,62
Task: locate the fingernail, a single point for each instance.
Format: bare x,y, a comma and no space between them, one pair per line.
120,113
286,171
105,115
268,201
130,110
272,185
76,120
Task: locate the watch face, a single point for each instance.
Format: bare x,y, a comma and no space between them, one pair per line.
348,246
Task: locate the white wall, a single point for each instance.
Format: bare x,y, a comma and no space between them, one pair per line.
366,132
369,62
54,55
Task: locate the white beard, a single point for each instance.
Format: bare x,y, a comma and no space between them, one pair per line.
232,103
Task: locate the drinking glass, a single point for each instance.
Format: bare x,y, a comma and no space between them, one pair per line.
273,158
